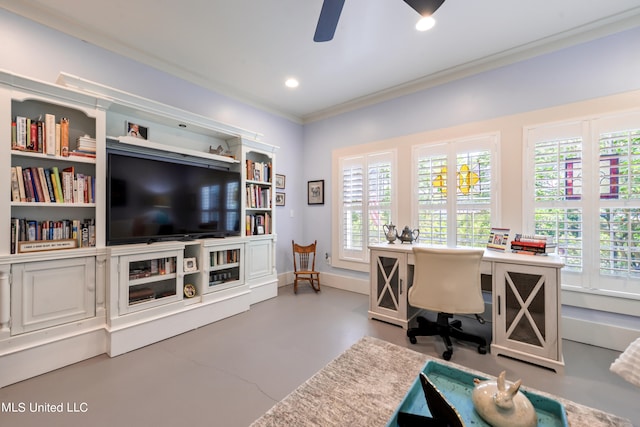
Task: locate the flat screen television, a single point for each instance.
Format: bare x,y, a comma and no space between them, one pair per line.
151,199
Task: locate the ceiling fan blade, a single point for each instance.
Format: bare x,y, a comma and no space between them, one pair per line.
425,7
328,21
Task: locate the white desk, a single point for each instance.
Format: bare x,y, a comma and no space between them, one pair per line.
525,299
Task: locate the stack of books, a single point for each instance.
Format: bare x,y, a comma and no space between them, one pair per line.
85,147
533,244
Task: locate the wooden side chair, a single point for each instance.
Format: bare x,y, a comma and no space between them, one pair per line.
304,265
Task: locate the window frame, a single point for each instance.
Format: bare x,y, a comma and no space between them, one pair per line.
452,148
359,259
589,280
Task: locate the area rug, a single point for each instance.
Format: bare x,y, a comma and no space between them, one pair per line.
364,386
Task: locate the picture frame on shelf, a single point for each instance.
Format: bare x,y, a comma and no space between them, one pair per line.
315,192
280,199
498,239
280,181
137,131
190,265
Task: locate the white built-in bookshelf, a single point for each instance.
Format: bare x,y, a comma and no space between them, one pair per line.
63,291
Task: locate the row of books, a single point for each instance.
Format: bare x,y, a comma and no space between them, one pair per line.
153,267
258,171
41,135
533,244
258,224
258,197
229,256
37,184
27,230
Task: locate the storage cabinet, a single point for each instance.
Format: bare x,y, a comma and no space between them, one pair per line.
391,277
224,266
150,279
51,293
527,313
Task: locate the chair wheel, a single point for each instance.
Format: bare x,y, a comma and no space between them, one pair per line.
412,339
482,349
447,355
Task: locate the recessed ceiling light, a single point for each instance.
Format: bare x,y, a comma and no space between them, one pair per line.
291,82
425,23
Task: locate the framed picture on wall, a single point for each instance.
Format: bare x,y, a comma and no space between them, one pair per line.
280,198
315,192
137,131
280,181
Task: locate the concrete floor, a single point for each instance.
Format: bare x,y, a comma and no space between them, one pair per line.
229,373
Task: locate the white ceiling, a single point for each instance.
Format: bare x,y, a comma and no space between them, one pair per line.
247,48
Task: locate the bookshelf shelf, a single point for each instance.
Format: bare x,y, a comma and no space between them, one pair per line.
53,205
135,142
69,159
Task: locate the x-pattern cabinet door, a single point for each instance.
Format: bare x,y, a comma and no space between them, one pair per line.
527,299
388,271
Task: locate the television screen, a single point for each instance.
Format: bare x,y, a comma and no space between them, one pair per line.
151,199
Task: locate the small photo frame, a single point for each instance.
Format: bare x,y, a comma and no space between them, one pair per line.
190,265
280,198
280,181
498,239
137,131
315,192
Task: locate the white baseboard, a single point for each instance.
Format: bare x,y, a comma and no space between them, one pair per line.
613,337
351,284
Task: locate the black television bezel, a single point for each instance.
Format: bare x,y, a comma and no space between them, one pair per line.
167,237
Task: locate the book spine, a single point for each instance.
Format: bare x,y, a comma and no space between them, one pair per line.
55,176
23,196
47,176
28,186
15,187
64,137
50,133
14,134
21,133
37,184
43,184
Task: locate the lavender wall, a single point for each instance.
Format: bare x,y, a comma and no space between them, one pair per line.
38,52
602,67
598,68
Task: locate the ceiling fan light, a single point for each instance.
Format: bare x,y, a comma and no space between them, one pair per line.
425,23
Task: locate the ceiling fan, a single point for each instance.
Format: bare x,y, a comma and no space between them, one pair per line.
331,9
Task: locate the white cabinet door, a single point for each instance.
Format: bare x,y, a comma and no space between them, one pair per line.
527,309
50,293
388,298
260,260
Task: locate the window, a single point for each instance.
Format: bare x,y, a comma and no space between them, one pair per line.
584,180
366,184
455,193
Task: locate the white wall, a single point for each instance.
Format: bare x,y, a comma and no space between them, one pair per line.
38,52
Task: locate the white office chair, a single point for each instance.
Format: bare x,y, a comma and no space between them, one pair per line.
447,281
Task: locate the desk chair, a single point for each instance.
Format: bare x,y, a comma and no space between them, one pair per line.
447,281
304,265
